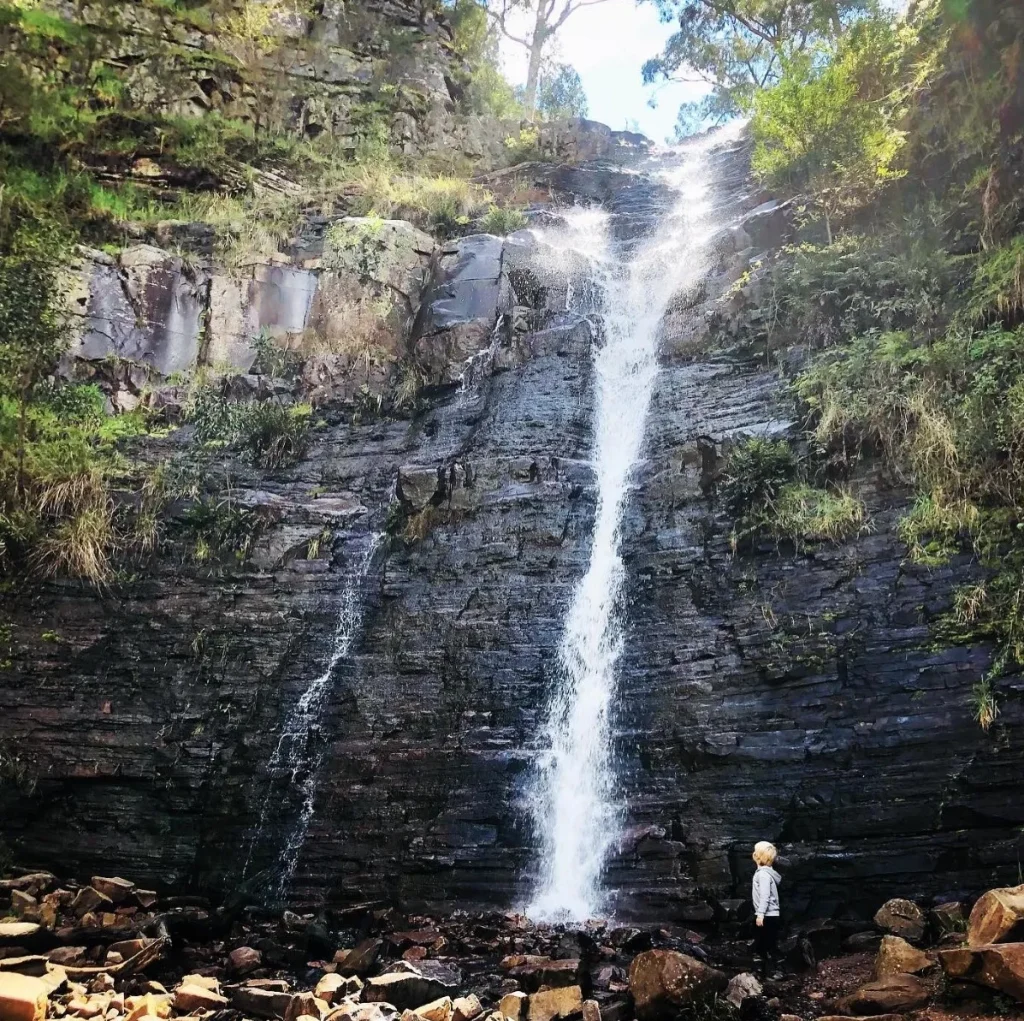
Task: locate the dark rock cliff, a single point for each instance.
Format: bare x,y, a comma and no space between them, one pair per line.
794,696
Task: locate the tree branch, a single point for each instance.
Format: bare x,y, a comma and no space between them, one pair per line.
499,18
570,8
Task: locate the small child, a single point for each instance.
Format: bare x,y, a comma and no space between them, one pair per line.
766,905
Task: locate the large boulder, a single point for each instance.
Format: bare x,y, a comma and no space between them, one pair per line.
533,972
549,1004
406,990
362,958
22,997
145,305
373,275
897,957
662,981
901,917
894,994
995,915
471,290
998,966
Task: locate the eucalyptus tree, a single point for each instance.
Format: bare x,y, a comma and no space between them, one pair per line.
738,47
541,21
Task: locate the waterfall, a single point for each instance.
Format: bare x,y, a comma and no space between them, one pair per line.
298,751
573,799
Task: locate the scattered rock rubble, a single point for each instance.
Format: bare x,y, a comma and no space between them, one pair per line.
109,951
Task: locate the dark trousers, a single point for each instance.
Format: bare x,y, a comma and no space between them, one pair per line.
766,940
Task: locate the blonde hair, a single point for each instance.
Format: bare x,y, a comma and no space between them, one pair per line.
764,852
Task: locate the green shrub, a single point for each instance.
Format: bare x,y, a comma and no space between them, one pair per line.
218,527
210,413
825,295
502,221
998,288
755,472
984,707
830,125
273,434
274,360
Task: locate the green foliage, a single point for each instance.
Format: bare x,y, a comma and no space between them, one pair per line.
502,221
561,94
984,707
830,294
274,360
218,527
272,434
755,472
524,146
998,286
803,513
762,490
485,88
33,326
57,447
831,126
738,46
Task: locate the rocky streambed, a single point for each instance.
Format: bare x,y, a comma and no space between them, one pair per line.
110,951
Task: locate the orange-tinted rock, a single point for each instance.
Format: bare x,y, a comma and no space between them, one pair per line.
998,966
88,901
116,889
513,1006
892,995
661,981
995,915
22,998
189,997
549,1004
897,957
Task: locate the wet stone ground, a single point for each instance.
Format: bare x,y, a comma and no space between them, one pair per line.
109,950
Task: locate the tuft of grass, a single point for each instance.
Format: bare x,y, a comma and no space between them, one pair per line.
442,203
502,222
274,435
935,528
984,707
806,514
998,286
79,546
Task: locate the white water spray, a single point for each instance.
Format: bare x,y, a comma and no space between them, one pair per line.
295,751
573,803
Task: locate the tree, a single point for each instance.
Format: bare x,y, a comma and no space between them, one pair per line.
546,17
485,89
829,122
561,93
738,46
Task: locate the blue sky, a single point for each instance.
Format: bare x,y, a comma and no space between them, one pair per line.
608,44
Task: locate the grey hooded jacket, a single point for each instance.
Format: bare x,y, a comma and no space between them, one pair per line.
766,891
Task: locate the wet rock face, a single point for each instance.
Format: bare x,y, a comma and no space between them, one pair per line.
798,698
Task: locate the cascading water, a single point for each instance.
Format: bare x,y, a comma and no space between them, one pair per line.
573,800
298,751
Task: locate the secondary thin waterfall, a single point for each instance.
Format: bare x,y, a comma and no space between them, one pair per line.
297,750
573,802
